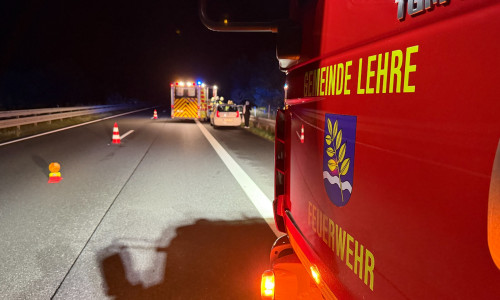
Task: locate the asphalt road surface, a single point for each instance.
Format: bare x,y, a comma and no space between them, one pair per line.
160,216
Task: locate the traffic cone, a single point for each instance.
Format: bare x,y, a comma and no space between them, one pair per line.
302,134
155,115
116,134
55,175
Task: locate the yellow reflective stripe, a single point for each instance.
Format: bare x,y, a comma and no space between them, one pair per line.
186,108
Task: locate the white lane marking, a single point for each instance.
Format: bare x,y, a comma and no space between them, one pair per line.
128,132
258,198
69,127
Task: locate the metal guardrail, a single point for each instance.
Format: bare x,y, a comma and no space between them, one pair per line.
17,118
264,123
40,111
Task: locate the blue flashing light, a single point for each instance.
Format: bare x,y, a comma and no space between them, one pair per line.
199,82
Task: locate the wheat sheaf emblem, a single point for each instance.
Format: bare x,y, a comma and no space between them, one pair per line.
337,162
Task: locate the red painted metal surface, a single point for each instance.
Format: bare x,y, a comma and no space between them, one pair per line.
423,156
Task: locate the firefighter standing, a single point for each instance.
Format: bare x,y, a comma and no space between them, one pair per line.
246,113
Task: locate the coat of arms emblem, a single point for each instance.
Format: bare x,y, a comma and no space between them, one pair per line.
338,157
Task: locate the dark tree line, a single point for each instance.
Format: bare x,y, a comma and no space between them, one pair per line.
56,84
62,83
257,80
66,53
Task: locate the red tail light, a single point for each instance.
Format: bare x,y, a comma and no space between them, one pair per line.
237,114
218,116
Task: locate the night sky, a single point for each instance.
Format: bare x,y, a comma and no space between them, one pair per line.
64,52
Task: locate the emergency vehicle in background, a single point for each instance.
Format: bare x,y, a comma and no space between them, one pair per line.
189,100
387,155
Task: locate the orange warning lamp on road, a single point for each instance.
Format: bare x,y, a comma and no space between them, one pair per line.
55,175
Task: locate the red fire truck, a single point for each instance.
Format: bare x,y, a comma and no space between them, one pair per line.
387,155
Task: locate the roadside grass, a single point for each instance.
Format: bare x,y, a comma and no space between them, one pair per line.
266,133
12,133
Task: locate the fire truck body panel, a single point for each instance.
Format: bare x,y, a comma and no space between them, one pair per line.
397,206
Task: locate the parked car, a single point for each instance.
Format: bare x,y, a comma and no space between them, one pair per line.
240,109
225,115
